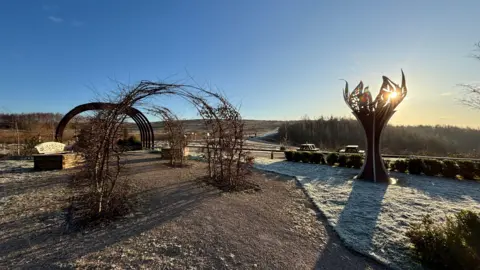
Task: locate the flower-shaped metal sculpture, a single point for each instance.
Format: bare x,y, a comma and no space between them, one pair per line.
374,116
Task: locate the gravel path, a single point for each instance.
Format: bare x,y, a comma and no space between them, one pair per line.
373,218
179,223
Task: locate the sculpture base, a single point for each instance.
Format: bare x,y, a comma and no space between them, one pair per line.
57,161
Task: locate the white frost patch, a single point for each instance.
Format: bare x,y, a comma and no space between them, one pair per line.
373,218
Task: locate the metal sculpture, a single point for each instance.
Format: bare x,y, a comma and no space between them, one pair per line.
374,116
146,130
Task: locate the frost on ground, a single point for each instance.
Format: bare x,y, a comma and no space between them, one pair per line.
373,218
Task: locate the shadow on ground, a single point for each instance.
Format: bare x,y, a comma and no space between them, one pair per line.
361,224
47,247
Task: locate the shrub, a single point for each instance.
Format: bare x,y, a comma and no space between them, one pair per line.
415,166
477,169
400,165
342,160
432,167
332,158
355,161
467,169
289,155
283,148
450,168
297,156
318,158
454,244
132,143
386,163
306,157
29,145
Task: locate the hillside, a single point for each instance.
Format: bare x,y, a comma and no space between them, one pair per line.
334,133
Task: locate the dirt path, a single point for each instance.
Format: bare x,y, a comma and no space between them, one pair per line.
180,223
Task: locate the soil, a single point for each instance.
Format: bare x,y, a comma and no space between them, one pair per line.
179,222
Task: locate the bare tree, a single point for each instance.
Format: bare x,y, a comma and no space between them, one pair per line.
177,138
103,195
472,91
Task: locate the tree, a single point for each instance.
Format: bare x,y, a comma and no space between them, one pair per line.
472,91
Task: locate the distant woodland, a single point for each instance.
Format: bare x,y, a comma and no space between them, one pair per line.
334,133
25,125
327,133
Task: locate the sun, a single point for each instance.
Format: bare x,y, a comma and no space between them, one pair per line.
393,95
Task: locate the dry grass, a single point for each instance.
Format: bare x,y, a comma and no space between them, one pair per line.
179,223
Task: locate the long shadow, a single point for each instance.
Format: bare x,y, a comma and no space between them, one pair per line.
34,183
355,226
142,160
46,247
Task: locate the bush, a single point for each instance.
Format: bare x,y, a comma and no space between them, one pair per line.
342,160
386,163
355,161
450,168
332,158
467,169
289,155
306,157
29,145
132,143
454,244
283,148
297,156
432,167
318,158
400,165
415,166
477,169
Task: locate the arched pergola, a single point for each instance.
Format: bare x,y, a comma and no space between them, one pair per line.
146,130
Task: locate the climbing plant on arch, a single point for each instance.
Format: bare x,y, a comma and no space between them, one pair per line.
102,164
374,115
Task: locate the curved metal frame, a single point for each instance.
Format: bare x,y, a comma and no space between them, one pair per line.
146,129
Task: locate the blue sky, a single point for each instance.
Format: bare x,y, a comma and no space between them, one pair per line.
278,59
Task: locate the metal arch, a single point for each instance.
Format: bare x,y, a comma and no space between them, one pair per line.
149,131
146,130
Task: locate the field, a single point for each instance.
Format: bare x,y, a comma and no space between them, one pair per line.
373,218
178,223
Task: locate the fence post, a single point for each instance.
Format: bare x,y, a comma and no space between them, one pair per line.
271,155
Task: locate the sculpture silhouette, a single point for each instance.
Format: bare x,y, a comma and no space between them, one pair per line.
374,116
146,130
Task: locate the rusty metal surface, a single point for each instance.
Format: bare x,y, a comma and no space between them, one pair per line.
374,116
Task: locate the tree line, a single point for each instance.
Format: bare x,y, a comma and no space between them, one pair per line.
28,121
334,133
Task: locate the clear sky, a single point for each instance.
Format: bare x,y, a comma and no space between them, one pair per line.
278,59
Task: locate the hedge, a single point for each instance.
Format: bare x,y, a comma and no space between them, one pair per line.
318,158
332,158
306,157
355,161
386,163
289,155
342,160
297,156
431,167
467,169
400,165
415,165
